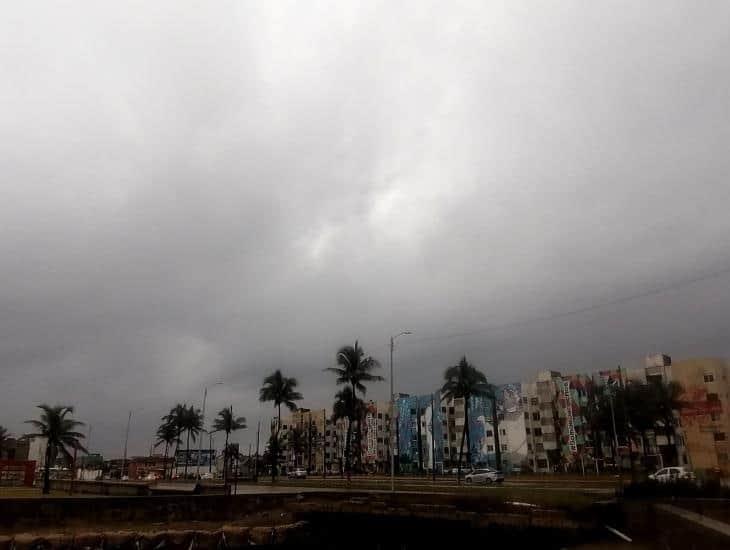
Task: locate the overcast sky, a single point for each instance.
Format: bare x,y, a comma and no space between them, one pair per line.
193,192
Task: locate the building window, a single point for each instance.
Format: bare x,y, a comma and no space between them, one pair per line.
446,436
283,427
527,431
446,450
539,447
537,432
453,436
451,410
722,458
714,416
504,447
490,448
413,412
536,416
503,431
453,451
712,397
527,415
327,433
534,401
443,410
524,400
490,433
529,447
709,377
500,416
719,436
380,440
380,416
541,463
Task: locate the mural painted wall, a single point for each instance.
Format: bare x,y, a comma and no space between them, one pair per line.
412,410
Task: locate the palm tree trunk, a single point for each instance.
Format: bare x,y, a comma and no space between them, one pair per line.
461,451
468,433
187,456
225,464
177,448
164,461
495,425
47,470
418,434
348,448
275,446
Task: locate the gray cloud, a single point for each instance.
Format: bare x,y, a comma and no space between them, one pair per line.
193,193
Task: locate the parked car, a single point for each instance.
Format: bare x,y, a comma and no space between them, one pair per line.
672,474
207,475
298,473
484,475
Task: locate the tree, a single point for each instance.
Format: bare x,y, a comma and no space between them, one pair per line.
226,422
347,406
59,430
176,417
3,438
666,399
281,391
167,433
295,443
355,369
464,381
192,423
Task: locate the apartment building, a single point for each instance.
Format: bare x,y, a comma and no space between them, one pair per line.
705,414
314,438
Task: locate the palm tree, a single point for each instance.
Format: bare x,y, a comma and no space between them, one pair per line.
282,391
167,433
464,381
176,417
228,423
3,438
347,406
60,432
192,423
354,369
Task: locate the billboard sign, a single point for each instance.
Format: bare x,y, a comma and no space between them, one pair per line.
206,455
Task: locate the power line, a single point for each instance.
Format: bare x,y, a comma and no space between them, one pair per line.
585,309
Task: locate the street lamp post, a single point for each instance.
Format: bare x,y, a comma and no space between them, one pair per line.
126,440
202,419
393,417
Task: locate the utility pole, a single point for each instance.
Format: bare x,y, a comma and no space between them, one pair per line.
433,440
256,463
393,415
202,422
126,440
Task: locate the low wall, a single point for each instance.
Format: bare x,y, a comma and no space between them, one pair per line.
109,488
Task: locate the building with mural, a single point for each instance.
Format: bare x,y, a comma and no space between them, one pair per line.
705,412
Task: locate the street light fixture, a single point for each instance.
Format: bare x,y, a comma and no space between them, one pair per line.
393,418
202,421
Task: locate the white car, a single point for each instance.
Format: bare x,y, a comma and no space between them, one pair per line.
672,474
207,475
298,473
484,475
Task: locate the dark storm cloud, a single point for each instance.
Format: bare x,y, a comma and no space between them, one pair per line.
192,194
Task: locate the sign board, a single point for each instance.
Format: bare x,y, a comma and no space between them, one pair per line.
192,457
569,417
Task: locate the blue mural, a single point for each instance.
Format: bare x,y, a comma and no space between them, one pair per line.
410,409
